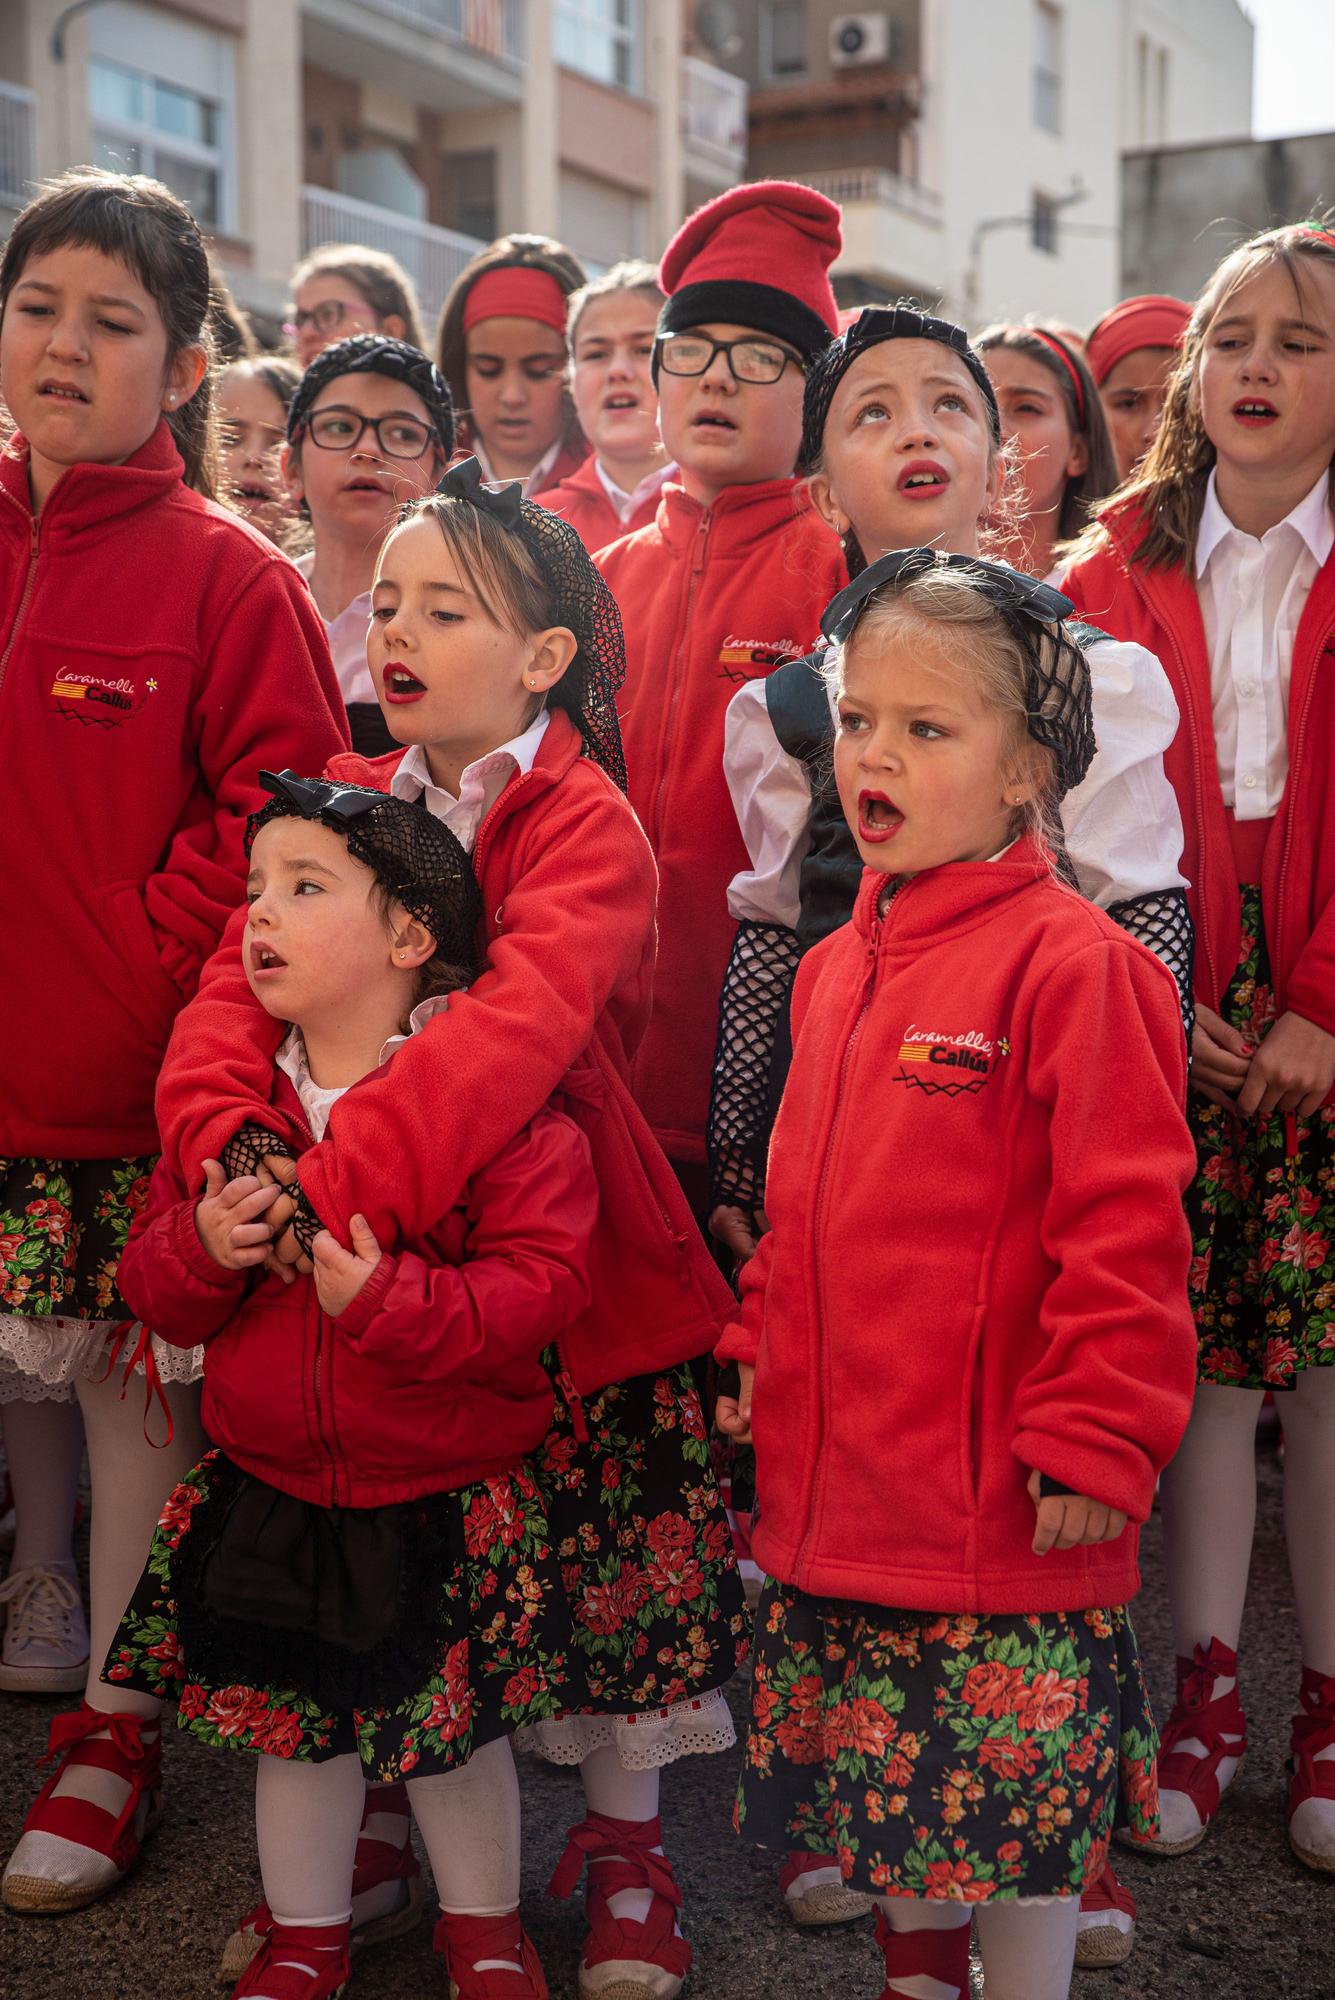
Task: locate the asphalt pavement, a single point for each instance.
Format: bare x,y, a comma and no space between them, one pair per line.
1240,1919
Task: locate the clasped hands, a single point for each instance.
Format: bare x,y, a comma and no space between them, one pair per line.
1064,1520
1292,1070
246,1222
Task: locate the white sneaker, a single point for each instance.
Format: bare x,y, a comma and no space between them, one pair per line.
46,1633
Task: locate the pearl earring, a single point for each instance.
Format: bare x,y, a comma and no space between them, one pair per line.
171,402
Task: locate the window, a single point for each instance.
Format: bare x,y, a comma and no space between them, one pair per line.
1047,67
161,91
601,39
783,38
1043,224
470,194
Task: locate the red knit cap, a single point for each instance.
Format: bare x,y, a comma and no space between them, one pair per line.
1153,320
760,256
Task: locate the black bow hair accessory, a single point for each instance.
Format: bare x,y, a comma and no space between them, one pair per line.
1058,703
581,601
412,855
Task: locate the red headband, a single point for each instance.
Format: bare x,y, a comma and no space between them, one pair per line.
1326,236
517,291
1063,354
1155,320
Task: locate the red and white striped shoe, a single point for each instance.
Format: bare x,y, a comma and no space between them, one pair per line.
489,1958
814,1894
1106,1926
625,1956
388,1894
297,1962
1312,1762
1200,1753
74,1849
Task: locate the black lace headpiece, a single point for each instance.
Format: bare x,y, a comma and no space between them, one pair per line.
588,689
873,325
411,853
1057,689
377,354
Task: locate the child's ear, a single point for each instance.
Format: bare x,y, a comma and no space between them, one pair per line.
413,943
395,326
553,650
184,375
1078,458
825,504
289,471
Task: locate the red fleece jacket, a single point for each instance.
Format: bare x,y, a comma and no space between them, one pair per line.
581,499
710,597
978,1259
154,653
430,1378
1160,608
567,886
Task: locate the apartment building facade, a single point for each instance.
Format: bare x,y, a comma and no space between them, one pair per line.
423,127
975,144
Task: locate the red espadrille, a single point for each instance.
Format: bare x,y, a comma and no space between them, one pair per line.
1312,1832
72,1851
297,1962
625,1958
1106,1933
1217,1723
378,1863
489,1958
923,1954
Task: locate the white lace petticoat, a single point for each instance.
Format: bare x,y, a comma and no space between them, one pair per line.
645,1740
41,1360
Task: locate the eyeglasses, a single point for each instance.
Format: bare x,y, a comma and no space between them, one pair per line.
337,429
327,317
748,360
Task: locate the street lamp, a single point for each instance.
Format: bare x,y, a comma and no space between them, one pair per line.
991,223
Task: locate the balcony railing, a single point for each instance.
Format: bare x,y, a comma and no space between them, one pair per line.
713,115
495,27
876,184
432,257
15,141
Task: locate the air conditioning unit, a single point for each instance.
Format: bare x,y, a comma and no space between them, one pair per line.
859,38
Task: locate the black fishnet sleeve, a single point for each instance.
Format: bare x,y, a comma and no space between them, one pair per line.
1162,921
757,988
244,1154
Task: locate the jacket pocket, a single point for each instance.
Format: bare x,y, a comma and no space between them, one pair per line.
135,934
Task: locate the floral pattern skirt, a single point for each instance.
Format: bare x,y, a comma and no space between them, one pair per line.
975,1758
656,1604
63,1225
501,1643
1262,1215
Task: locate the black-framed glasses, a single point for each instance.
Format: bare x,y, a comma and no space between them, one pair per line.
336,428
749,360
327,317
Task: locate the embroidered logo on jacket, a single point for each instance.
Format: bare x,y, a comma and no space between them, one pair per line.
739,658
93,698
949,1065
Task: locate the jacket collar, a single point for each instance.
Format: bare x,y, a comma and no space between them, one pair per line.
960,893
741,517
560,747
88,496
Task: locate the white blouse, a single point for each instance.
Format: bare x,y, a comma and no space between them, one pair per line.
481,785
1252,592
347,642
1122,826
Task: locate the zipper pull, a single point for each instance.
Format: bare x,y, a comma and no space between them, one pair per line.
575,1404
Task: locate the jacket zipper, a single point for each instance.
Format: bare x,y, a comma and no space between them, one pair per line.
574,1402
679,666
33,532
1295,753
818,1215
1203,935
322,1370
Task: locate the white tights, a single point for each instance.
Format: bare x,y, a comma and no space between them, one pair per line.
44,1448
1209,1519
1027,1947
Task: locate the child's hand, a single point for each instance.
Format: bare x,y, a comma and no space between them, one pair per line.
1293,1070
732,1414
1066,1520
339,1273
228,1218
738,1229
1220,1059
